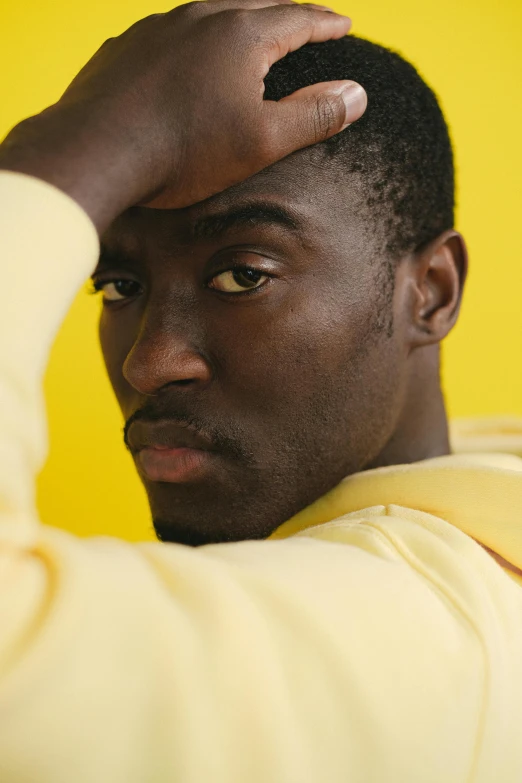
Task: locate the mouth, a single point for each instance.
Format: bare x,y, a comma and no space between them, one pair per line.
174,465
169,452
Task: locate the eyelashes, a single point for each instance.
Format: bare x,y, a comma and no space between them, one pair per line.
116,290
235,281
238,280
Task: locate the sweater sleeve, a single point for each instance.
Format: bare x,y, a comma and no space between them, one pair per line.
48,247
292,661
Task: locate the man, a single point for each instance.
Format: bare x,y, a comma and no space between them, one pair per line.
266,340
269,342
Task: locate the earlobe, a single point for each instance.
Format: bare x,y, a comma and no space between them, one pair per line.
440,270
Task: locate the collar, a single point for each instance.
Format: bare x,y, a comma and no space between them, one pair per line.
480,494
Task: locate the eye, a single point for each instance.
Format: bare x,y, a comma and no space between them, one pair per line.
234,281
117,290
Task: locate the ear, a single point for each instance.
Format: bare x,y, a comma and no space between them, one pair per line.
438,273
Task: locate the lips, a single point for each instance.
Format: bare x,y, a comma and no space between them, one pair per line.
169,452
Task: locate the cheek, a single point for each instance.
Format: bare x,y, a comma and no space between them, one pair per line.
317,378
116,333
296,342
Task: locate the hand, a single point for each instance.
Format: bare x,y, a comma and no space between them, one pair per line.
172,111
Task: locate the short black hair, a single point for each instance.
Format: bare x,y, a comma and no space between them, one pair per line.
401,146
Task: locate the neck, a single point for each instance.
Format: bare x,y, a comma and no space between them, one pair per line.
422,428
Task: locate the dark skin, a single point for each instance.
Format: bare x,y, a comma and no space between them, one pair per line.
172,111
153,119
298,379
167,115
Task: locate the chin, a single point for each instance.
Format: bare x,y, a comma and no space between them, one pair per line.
213,512
181,532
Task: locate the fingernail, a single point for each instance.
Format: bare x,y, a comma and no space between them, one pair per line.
355,101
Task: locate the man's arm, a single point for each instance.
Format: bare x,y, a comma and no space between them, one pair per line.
258,661
48,246
172,111
151,119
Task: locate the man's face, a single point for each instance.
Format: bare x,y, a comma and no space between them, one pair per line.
251,349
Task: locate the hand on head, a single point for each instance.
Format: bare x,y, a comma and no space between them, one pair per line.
172,111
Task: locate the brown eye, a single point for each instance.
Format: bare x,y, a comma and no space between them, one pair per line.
236,280
116,290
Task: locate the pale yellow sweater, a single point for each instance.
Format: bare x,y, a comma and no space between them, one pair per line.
372,641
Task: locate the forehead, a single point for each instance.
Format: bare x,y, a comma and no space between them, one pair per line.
305,193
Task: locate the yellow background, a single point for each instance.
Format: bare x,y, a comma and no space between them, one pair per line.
470,51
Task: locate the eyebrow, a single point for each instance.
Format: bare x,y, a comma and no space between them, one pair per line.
112,258
261,213
249,215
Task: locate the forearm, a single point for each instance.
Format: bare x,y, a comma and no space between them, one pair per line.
130,130
77,156
48,246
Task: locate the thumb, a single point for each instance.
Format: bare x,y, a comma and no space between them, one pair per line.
315,113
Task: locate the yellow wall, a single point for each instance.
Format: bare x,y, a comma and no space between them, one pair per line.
470,52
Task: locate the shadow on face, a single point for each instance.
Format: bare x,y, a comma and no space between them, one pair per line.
248,340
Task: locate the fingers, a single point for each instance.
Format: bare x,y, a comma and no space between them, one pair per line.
288,27
314,114
284,24
245,4
222,5
318,7
214,6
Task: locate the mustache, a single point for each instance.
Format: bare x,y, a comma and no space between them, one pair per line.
230,445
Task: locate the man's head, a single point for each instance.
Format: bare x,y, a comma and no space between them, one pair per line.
284,334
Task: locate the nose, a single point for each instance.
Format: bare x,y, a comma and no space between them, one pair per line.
165,354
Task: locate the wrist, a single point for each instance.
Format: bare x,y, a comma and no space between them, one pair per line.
77,156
